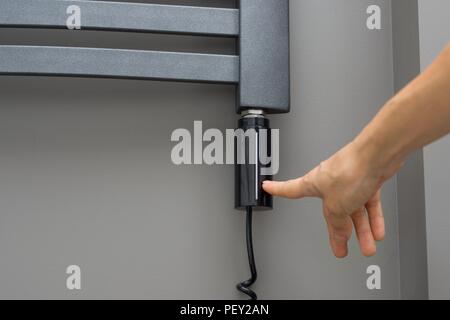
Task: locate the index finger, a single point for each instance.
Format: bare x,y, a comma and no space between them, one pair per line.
291,189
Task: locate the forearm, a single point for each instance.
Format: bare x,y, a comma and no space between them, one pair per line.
415,117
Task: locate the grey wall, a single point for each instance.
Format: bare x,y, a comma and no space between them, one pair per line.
86,176
434,20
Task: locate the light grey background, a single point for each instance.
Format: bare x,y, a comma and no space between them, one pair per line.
86,176
434,21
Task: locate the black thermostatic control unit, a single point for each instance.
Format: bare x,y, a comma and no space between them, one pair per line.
249,176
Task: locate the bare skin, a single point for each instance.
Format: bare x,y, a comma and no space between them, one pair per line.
349,182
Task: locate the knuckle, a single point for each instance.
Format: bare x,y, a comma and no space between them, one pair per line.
335,209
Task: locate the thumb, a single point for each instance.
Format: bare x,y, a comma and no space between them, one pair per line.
291,189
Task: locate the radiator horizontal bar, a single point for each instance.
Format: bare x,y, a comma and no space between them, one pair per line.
114,63
120,16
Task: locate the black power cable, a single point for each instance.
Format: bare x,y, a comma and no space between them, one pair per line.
244,286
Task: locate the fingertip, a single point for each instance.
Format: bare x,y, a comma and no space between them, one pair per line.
340,251
267,182
367,244
376,218
268,186
379,235
341,254
369,251
378,229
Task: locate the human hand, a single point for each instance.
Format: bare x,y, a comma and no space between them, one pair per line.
349,182
349,187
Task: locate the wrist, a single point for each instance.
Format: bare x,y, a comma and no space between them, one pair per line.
364,156
374,157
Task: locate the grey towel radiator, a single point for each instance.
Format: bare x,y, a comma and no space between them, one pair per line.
260,71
